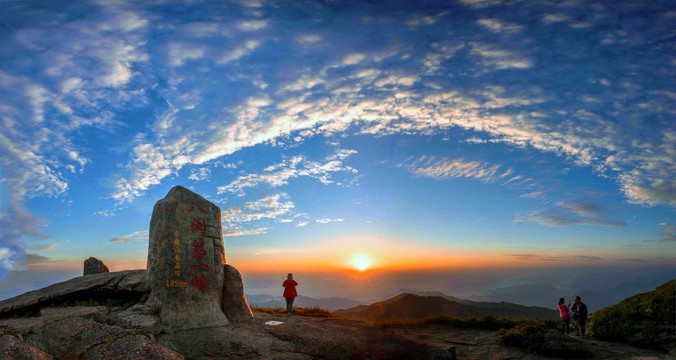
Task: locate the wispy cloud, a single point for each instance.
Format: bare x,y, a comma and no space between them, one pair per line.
571,213
269,207
298,166
257,231
136,236
445,168
327,220
201,174
44,247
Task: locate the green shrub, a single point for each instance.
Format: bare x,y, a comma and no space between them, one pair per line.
644,320
527,335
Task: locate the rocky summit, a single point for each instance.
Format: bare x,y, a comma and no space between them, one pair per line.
187,304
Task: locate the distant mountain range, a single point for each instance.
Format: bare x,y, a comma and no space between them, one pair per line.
412,306
330,304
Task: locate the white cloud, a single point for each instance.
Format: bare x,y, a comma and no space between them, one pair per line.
6,261
201,174
353,59
180,52
279,174
555,18
501,58
239,52
301,223
252,25
444,168
141,235
236,232
499,26
309,38
269,207
327,220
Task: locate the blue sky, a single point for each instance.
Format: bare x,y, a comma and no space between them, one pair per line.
436,134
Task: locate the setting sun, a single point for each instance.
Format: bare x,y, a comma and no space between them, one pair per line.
361,262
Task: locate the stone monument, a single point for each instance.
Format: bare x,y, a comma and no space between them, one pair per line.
186,259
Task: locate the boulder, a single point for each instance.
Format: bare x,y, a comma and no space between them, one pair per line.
12,349
125,285
185,261
235,305
94,266
555,344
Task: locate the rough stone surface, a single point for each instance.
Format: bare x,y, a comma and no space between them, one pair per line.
131,347
115,284
72,336
12,349
21,326
94,266
347,339
235,305
139,317
50,314
243,341
185,261
556,344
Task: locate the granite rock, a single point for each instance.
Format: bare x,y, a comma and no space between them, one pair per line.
127,284
94,266
235,305
12,349
185,261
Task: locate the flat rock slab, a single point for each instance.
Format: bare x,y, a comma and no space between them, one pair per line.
346,339
120,283
72,336
241,341
131,347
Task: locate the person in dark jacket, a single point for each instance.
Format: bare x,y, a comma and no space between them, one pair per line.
289,292
579,310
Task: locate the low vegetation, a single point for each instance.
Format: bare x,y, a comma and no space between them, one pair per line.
646,320
527,335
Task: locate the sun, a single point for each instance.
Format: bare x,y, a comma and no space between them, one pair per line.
361,262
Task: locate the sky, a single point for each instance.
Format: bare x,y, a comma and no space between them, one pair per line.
476,147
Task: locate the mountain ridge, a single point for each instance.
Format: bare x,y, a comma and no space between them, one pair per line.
413,306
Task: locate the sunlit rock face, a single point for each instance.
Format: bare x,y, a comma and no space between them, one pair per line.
235,305
185,261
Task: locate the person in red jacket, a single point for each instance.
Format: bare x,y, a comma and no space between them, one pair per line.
289,292
564,312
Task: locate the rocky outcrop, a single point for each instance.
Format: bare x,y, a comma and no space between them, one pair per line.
235,305
185,261
122,286
94,266
555,344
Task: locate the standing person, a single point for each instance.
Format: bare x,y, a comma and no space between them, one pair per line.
579,310
289,292
565,315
